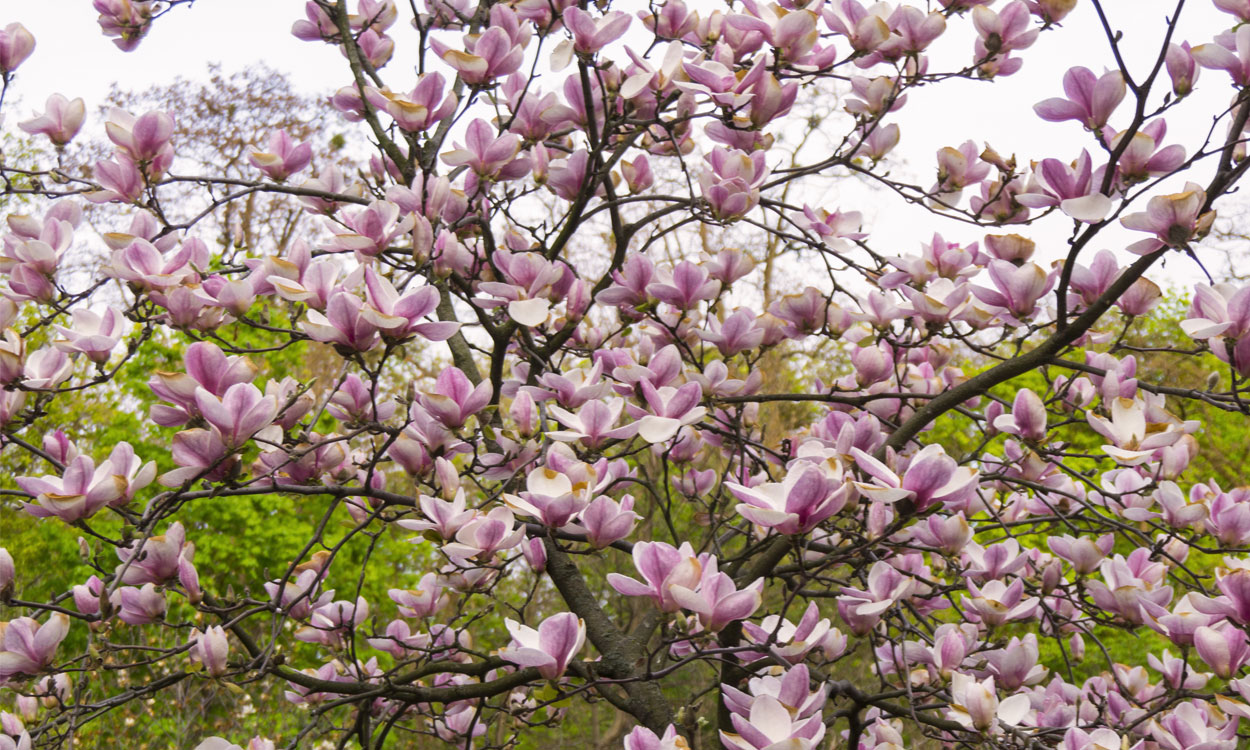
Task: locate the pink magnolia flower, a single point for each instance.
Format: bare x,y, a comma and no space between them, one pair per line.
641,738
1136,430
357,402
79,493
11,404
912,31
1051,11
592,34
1239,8
399,317
593,425
376,47
159,559
1229,52
37,244
490,157
459,724
1179,624
877,142
1140,298
1223,648
400,639
1002,32
1190,726
207,367
637,175
343,324
1220,314
1177,673
236,296
330,181
217,743
791,688
145,139
605,521
300,596
316,27
454,398
550,648
864,28
127,20
495,53
424,601
93,334
806,497
139,606
7,573
770,725
791,32
238,414
1071,188
1027,419
313,283
874,97
1228,518
1084,553
685,286
199,453
1182,68
731,183
736,333
1129,581
16,44
331,624
421,109
717,601
1090,99
28,647
1175,220
931,477
668,410
530,283
997,602
443,517
485,535
1219,311
862,610
1143,159
87,596
792,642
995,561
662,566
958,168
284,157
975,704
1017,289
549,497
1015,665
143,265
61,120
946,533
12,356
211,648
372,230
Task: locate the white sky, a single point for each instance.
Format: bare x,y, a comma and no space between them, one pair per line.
72,57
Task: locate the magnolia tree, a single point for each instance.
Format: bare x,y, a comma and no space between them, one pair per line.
968,499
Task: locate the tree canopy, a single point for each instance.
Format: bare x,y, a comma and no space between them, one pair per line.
527,389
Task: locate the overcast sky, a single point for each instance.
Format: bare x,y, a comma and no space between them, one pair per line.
72,57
